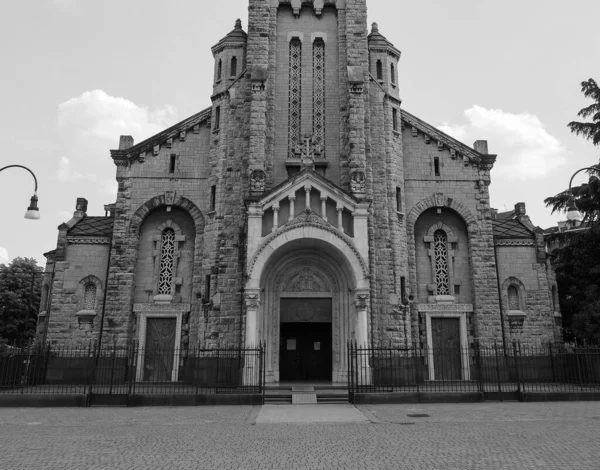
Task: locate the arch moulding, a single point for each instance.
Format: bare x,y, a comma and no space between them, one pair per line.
158,201
440,200
307,231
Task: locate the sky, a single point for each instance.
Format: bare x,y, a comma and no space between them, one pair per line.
76,74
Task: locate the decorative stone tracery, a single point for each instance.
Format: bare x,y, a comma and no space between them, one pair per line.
319,92
295,94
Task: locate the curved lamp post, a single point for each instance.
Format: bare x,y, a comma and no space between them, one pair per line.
573,213
33,213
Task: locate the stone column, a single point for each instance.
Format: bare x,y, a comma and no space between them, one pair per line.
362,324
340,209
255,214
362,334
324,207
252,306
292,207
275,217
307,188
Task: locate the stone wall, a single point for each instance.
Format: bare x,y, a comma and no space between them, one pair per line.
518,265
463,187
65,327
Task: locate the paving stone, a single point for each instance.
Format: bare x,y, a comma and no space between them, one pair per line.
489,436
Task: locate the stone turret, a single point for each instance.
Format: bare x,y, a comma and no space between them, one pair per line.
383,61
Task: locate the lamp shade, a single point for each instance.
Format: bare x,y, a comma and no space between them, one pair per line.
33,213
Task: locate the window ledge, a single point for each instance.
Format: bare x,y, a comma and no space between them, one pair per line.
516,313
557,314
162,299
212,212
396,133
86,313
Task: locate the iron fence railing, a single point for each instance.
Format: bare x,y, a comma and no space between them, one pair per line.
133,371
480,368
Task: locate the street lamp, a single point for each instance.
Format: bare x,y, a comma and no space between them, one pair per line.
573,213
33,213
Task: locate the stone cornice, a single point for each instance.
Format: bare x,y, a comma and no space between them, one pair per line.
486,162
161,308
514,242
425,308
389,49
124,157
88,240
227,45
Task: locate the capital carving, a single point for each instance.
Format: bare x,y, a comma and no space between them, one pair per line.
362,300
257,181
252,299
358,183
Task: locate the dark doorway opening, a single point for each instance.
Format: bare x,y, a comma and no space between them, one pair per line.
305,352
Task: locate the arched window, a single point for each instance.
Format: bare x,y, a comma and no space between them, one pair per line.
219,69
319,91
379,68
89,297
233,71
295,93
513,298
440,251
167,257
393,74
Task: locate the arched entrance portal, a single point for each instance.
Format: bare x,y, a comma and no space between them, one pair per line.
308,305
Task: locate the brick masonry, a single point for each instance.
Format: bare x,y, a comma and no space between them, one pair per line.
171,178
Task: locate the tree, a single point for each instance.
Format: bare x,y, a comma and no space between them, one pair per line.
589,130
577,260
20,292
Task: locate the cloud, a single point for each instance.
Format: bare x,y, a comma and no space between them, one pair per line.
97,114
458,132
64,172
4,259
110,187
68,5
65,216
525,148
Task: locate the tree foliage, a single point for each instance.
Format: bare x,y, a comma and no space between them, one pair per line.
577,260
20,292
589,130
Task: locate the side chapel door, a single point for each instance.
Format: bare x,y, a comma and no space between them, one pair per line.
159,355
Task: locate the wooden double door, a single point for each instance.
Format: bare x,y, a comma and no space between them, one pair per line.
305,352
446,345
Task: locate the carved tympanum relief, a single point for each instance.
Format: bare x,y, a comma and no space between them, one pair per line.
307,280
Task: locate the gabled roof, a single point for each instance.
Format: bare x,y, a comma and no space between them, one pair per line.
473,155
162,137
93,227
510,228
317,181
506,215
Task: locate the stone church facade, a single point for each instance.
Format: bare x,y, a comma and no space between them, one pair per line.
303,209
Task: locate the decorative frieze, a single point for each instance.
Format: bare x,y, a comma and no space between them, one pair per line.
428,308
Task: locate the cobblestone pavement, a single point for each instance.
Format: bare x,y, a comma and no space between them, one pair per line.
472,436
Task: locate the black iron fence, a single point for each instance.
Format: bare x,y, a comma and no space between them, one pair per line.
132,371
481,368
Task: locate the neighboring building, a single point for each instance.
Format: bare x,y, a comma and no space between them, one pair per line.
304,208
